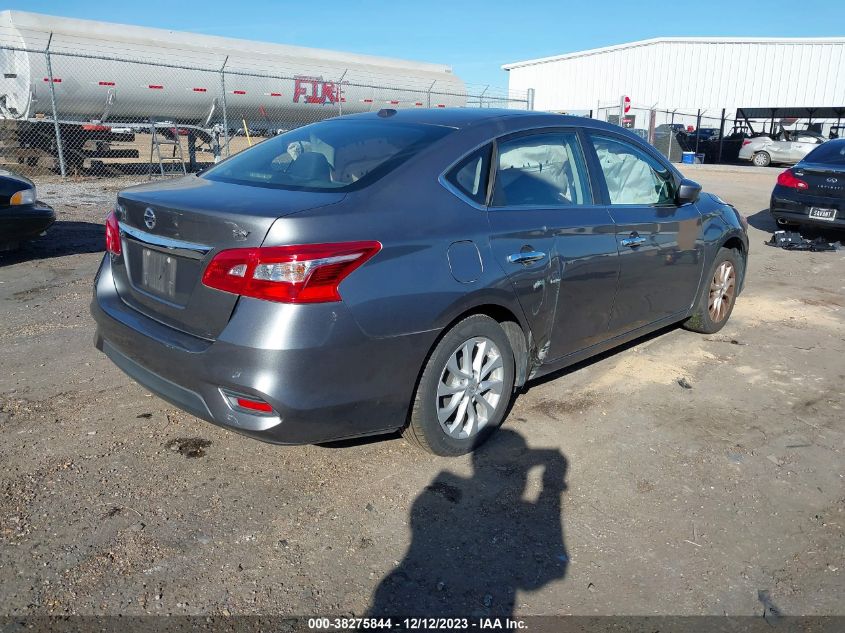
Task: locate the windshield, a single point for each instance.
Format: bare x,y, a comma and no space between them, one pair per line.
333,155
831,153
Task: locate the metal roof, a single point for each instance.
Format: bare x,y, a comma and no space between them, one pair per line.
791,113
678,40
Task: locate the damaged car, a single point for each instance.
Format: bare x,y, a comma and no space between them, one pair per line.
406,270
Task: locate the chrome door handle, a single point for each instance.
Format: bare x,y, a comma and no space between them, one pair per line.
526,257
633,241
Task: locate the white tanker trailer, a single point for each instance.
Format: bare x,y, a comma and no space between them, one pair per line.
176,77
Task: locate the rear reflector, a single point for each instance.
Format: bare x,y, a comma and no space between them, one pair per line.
112,234
307,273
254,405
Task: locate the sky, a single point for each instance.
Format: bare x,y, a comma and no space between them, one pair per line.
472,36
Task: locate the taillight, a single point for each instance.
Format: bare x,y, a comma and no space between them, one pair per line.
746,142
789,179
112,234
308,273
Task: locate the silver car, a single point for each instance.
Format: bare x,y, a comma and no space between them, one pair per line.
786,148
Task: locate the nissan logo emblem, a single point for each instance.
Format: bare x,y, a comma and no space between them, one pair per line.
150,218
832,181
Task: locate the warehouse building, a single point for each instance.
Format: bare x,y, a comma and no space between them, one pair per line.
695,77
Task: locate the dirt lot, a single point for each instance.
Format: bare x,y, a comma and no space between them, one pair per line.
726,497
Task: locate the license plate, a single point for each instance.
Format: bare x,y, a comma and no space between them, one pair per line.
817,213
158,273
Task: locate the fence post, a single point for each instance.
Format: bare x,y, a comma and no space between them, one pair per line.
225,113
340,93
530,96
697,131
430,88
672,135
56,127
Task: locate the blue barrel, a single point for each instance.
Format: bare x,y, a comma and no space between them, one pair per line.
688,158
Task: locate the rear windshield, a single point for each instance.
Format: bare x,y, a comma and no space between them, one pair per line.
831,153
333,155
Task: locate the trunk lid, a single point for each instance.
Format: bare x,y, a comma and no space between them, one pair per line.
171,230
824,181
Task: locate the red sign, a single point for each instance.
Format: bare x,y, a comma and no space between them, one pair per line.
314,90
626,100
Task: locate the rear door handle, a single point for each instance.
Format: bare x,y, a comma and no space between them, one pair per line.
526,257
633,241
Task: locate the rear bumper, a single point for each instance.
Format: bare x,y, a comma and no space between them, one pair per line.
325,379
745,154
19,223
794,209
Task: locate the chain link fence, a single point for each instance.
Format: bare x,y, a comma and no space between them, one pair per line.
72,114
704,136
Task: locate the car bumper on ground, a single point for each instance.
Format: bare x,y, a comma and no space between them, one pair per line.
795,209
325,379
24,222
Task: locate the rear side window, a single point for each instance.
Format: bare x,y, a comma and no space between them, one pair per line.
632,176
541,170
830,153
333,155
471,174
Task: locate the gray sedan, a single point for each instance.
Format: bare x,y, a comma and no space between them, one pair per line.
787,148
406,270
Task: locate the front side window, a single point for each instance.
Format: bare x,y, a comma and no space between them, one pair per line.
333,155
541,170
632,176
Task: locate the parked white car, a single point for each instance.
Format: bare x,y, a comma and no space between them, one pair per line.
786,148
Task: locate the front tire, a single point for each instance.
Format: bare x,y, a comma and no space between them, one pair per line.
465,389
718,296
762,159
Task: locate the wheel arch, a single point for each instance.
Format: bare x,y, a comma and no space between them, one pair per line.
736,243
516,331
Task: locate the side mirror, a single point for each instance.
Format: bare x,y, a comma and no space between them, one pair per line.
688,192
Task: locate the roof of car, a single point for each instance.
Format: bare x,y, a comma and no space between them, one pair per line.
453,117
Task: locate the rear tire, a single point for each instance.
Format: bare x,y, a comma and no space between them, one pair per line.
465,389
718,296
762,159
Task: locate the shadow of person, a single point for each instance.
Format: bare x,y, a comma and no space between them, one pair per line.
476,540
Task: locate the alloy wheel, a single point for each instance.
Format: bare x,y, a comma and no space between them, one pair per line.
470,388
722,292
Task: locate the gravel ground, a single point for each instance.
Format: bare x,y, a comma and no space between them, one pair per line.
613,489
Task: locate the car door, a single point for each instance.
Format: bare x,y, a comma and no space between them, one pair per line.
661,252
801,145
541,201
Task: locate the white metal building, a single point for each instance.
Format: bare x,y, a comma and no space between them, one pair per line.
687,74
